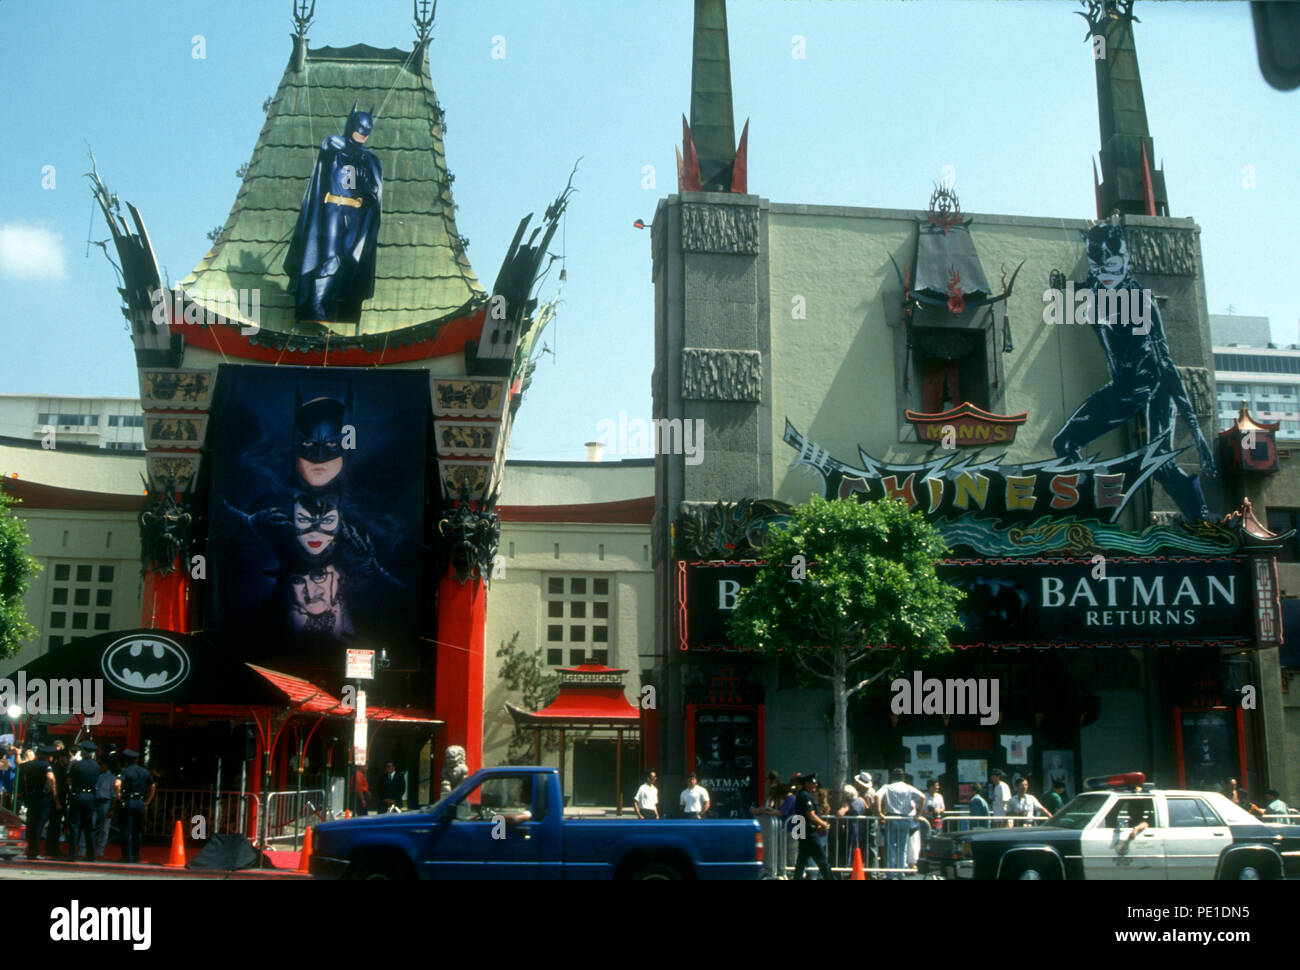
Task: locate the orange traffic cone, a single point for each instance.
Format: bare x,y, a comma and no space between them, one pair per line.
177,858
305,855
858,872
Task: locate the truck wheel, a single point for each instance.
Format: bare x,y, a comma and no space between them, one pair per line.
657,870
376,869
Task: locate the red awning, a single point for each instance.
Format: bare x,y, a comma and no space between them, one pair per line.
307,698
590,695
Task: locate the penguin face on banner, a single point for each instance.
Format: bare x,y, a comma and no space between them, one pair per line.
1108,259
315,590
145,664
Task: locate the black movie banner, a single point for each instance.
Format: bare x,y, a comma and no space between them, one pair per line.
315,510
1102,601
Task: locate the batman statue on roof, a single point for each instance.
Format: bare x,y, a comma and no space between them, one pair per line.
331,260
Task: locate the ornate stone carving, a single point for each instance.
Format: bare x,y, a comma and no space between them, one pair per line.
721,375
166,528
170,389
454,769
180,469
710,228
469,397
178,431
1199,383
472,536
456,438
1167,252
727,530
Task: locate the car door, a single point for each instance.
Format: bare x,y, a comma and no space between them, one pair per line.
488,833
1195,838
1110,853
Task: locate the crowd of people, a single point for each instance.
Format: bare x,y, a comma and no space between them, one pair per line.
69,795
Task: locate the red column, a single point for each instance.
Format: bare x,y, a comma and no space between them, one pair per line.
165,604
458,697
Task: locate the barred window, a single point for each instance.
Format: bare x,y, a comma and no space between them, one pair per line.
80,600
576,617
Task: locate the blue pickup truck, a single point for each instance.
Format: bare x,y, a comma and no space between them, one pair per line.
507,823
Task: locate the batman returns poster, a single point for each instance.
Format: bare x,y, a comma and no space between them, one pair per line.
315,511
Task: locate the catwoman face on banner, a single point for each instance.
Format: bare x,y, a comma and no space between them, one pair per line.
315,512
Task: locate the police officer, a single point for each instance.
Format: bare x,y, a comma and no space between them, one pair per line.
39,795
82,777
137,792
54,833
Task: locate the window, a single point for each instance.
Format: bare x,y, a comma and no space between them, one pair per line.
79,585
1190,813
126,420
576,612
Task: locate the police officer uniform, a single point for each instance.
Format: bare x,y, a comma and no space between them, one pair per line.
82,777
54,831
105,792
38,795
137,785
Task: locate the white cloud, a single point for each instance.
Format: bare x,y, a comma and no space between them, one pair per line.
30,252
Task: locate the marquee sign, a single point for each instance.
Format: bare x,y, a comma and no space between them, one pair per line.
966,426
1118,601
949,486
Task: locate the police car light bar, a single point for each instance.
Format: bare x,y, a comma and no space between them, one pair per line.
1129,779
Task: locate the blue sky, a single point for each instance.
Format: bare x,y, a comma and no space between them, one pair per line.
888,95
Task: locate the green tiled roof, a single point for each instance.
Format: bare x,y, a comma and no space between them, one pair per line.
421,273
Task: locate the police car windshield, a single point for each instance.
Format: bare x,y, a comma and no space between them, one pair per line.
1230,811
1079,812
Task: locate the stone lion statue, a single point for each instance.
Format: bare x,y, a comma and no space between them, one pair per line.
454,769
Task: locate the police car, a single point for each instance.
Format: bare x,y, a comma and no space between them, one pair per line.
1124,829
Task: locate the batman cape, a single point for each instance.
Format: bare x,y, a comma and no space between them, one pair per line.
331,260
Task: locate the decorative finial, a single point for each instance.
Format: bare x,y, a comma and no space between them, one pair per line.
1097,11
945,210
423,18
302,17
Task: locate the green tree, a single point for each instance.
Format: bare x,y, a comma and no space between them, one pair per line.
16,571
850,593
524,671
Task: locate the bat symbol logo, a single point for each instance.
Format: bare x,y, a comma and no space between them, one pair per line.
145,665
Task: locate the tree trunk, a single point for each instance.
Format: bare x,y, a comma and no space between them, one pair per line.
840,727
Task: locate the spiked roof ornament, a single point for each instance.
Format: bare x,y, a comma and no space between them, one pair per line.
711,162
302,17
1129,181
423,19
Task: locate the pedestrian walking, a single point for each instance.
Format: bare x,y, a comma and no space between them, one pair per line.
979,807
646,802
1025,805
83,775
694,800
39,795
854,811
999,797
360,792
138,789
934,804
899,804
812,840
1054,800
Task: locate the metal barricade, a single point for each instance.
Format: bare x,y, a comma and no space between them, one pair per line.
288,815
227,813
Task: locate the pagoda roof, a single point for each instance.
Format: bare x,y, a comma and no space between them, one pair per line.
422,275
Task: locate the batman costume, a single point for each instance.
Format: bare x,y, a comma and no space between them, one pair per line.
331,260
1142,375
318,430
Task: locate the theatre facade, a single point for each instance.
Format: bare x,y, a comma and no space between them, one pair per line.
328,399
1040,388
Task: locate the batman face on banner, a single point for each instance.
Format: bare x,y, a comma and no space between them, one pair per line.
316,512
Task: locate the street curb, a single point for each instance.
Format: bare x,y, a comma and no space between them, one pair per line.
135,869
